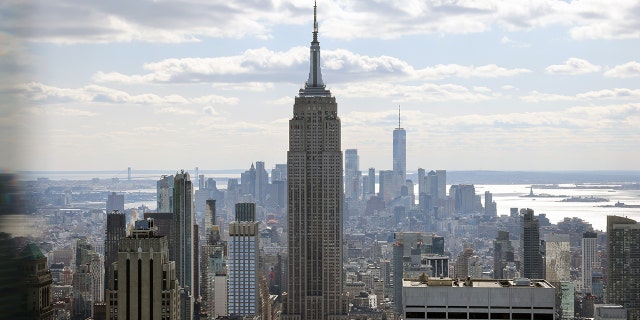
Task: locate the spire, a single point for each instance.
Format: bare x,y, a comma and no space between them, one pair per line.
315,22
399,127
314,85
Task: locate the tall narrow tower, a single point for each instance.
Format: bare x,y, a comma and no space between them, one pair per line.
314,188
183,239
400,153
623,272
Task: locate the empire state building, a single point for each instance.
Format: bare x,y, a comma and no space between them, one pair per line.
314,187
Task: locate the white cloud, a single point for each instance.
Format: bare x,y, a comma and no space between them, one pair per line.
617,93
77,21
573,66
626,70
42,93
426,92
285,66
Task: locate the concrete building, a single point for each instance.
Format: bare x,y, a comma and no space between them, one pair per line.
244,240
623,272
143,283
315,201
446,298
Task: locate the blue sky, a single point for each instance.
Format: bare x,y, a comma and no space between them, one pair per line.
489,85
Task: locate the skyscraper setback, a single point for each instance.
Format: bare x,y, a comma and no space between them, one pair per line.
314,187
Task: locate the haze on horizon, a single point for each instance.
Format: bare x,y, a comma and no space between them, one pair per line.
491,85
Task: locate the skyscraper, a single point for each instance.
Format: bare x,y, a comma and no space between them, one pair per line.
530,245
243,291
165,194
421,182
503,253
116,228
143,284
400,152
623,245
351,174
557,257
35,293
314,187
183,242
590,259
115,202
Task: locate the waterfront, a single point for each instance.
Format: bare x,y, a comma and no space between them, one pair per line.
511,196
506,196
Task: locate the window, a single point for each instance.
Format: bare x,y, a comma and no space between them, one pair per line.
414,315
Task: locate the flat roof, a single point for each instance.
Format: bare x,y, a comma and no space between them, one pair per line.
476,283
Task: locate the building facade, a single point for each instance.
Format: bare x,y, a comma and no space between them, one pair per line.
446,298
590,260
530,245
116,228
623,246
183,239
243,292
315,192
143,283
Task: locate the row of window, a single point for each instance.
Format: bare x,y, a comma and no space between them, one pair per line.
477,315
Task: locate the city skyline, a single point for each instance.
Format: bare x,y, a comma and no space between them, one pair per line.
546,85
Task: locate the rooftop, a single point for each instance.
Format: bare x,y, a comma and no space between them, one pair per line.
475,283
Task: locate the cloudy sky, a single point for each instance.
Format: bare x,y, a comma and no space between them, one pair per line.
489,85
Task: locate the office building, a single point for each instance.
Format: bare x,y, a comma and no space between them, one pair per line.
115,202
314,220
623,272
387,185
116,228
262,182
183,240
243,292
609,312
530,245
557,257
213,267
503,254
442,184
164,196
421,182
143,283
446,298
88,280
400,152
590,260
490,207
35,292
163,221
371,182
352,174
464,197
